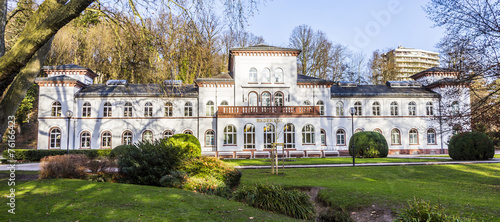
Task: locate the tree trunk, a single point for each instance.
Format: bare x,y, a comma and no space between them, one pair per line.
43,25
3,22
23,81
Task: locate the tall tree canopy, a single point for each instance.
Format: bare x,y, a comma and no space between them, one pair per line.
52,15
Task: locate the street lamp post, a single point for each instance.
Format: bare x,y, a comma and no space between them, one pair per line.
352,110
69,114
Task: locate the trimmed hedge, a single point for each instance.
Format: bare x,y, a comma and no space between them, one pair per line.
471,146
37,155
369,144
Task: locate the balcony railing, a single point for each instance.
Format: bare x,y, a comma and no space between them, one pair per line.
268,110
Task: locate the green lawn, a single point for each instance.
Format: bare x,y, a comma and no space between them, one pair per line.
335,160
471,190
73,200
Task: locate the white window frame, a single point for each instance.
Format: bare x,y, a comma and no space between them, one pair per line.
308,134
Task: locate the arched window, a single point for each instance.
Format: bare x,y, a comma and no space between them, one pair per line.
210,108
188,109
308,134
85,140
323,137
147,136
307,103
269,136
252,75
148,109
431,136
169,109
289,136
429,109
229,135
127,138
413,136
339,108
209,138
253,99
55,138
108,112
167,134
340,137
127,109
376,109
278,75
266,99
321,107
358,130
395,137
106,139
394,109
455,109
56,109
278,99
224,103
358,109
266,75
377,130
412,108
188,132
249,136
87,110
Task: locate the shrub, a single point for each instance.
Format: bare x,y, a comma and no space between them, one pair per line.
37,155
186,142
119,150
211,167
175,179
99,165
420,210
471,146
148,162
369,144
274,198
186,138
63,166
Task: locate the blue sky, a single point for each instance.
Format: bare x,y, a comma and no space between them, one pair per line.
362,25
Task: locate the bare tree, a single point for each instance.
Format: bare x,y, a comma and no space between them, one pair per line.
470,46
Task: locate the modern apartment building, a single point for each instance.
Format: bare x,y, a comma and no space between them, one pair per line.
409,61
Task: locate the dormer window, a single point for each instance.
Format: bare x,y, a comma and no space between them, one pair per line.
266,76
278,75
252,75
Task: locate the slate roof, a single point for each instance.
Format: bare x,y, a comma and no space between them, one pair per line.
381,91
263,47
131,90
304,78
55,78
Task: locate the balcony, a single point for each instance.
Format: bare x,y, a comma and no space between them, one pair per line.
241,111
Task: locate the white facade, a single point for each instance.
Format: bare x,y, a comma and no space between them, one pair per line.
233,114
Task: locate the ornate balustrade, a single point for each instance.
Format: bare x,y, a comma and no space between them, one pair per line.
267,110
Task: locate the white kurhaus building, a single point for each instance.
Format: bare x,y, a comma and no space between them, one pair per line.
242,113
